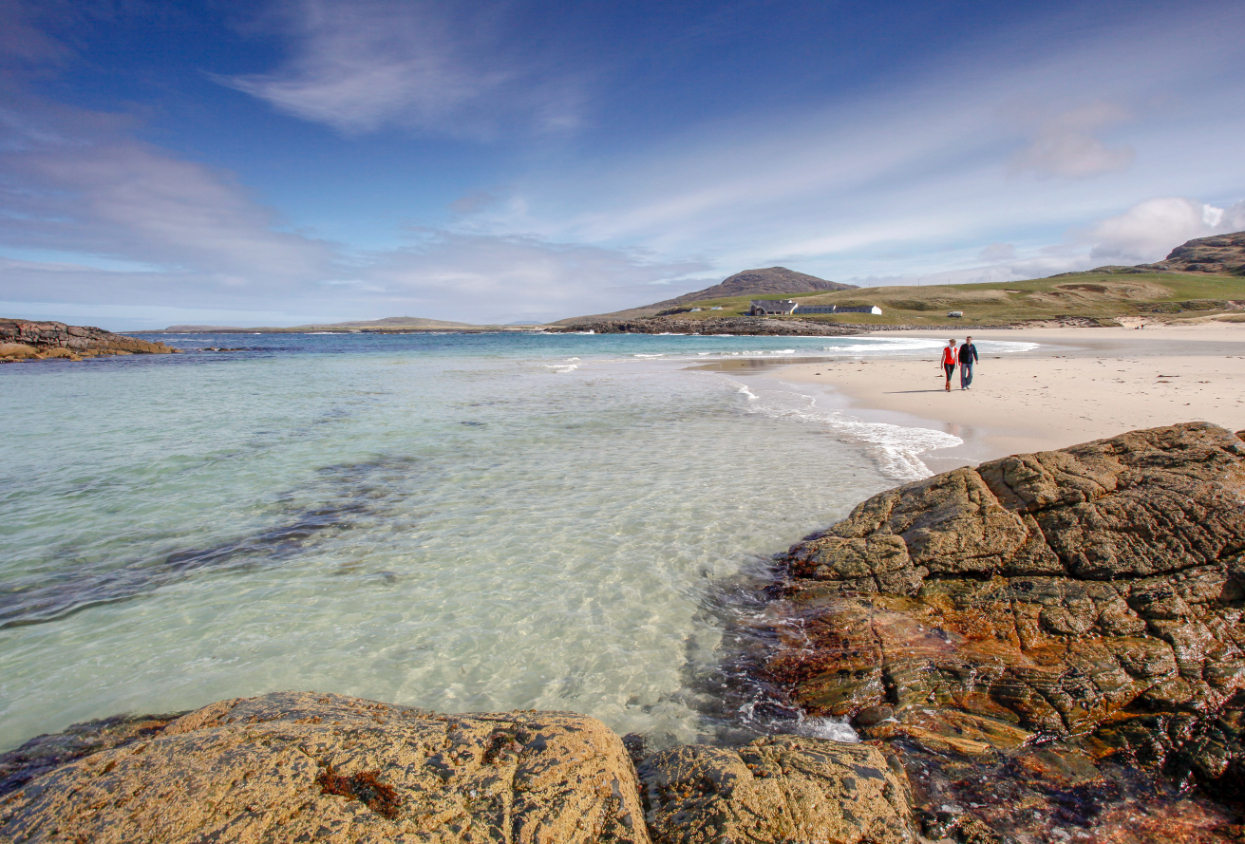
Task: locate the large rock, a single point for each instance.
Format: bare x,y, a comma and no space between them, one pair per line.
30,340
1086,601
314,767
777,789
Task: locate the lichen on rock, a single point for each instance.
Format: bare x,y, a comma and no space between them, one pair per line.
777,789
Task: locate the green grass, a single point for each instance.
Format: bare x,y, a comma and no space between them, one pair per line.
1102,296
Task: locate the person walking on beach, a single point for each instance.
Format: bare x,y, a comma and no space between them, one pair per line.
949,360
968,357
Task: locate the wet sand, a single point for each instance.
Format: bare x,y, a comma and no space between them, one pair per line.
1080,384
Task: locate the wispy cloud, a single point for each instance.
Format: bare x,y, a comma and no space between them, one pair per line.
78,185
434,67
38,37
23,42
489,278
915,178
1066,144
76,181
903,177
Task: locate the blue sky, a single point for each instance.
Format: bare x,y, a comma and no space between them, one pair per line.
324,160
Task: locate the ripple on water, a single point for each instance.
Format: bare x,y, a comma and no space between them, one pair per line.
445,531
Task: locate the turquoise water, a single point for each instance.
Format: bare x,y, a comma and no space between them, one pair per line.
462,522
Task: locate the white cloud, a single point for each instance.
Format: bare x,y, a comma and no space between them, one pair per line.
1065,145
1233,219
997,253
474,202
1143,234
435,67
1149,230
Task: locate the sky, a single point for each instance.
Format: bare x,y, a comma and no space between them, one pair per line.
283,162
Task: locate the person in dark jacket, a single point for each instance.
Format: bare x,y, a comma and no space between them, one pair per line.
968,357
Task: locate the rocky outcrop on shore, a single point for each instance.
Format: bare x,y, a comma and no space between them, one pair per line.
291,767
22,340
1049,639
726,325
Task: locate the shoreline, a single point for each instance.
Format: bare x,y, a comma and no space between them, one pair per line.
1080,384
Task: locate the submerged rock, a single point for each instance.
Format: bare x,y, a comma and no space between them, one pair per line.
1058,619
305,766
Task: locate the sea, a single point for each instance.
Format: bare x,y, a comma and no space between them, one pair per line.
459,522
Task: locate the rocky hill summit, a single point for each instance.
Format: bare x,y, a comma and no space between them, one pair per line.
762,282
22,340
1222,254
752,326
758,283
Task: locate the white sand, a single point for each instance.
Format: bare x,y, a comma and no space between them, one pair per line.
1080,384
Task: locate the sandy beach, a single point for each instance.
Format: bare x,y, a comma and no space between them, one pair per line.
1079,384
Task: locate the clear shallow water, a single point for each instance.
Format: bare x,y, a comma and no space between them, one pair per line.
464,522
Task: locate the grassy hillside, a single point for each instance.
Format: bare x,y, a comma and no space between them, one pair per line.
1092,295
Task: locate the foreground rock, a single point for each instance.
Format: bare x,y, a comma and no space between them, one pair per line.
725,325
1041,631
292,766
303,766
27,340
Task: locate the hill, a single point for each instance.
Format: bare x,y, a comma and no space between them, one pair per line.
396,325
766,282
1223,254
1200,279
770,282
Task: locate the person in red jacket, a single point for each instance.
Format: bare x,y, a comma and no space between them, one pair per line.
949,360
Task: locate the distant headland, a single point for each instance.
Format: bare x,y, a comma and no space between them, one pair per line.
389,325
